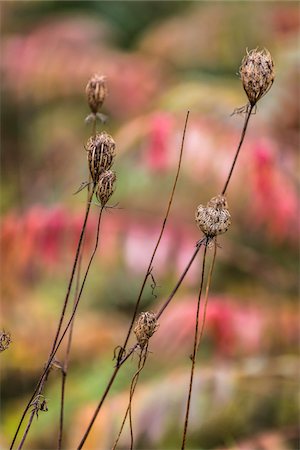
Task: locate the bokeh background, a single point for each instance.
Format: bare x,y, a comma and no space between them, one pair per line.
161,59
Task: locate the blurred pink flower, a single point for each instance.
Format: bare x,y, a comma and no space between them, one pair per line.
157,151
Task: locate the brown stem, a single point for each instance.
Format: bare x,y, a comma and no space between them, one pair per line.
40,388
194,352
44,374
124,359
123,348
248,114
64,371
208,283
142,361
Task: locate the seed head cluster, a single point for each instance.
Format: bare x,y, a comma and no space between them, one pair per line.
96,92
101,147
5,340
146,326
257,74
214,218
105,186
101,151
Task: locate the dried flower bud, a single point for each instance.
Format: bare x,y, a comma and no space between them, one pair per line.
101,152
96,91
257,74
146,326
106,186
214,218
5,340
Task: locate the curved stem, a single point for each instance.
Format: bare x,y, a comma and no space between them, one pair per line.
44,374
123,348
248,114
208,283
64,371
194,352
76,304
125,358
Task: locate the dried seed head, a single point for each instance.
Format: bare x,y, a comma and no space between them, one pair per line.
5,340
101,152
146,326
96,92
257,74
214,218
106,186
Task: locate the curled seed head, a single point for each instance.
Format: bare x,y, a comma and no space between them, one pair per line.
257,74
101,150
146,326
106,186
214,218
5,340
96,92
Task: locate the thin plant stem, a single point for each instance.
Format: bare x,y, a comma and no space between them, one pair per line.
125,358
64,369
45,372
141,364
75,306
148,272
248,114
26,430
208,283
194,351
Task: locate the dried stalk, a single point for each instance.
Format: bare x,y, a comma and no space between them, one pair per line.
64,368
194,349
141,364
122,356
208,283
44,375
149,269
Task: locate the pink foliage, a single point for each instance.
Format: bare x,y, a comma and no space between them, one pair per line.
276,204
233,327
158,149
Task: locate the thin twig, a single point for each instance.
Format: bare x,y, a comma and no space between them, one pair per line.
125,358
149,269
141,364
194,350
238,148
43,377
75,306
64,369
208,283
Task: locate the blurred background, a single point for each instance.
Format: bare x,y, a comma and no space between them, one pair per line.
161,59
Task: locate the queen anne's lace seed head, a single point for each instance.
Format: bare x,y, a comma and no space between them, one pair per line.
257,74
146,326
105,186
214,218
101,150
96,92
5,340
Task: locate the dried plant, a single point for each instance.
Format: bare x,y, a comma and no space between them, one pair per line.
101,153
257,75
5,340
